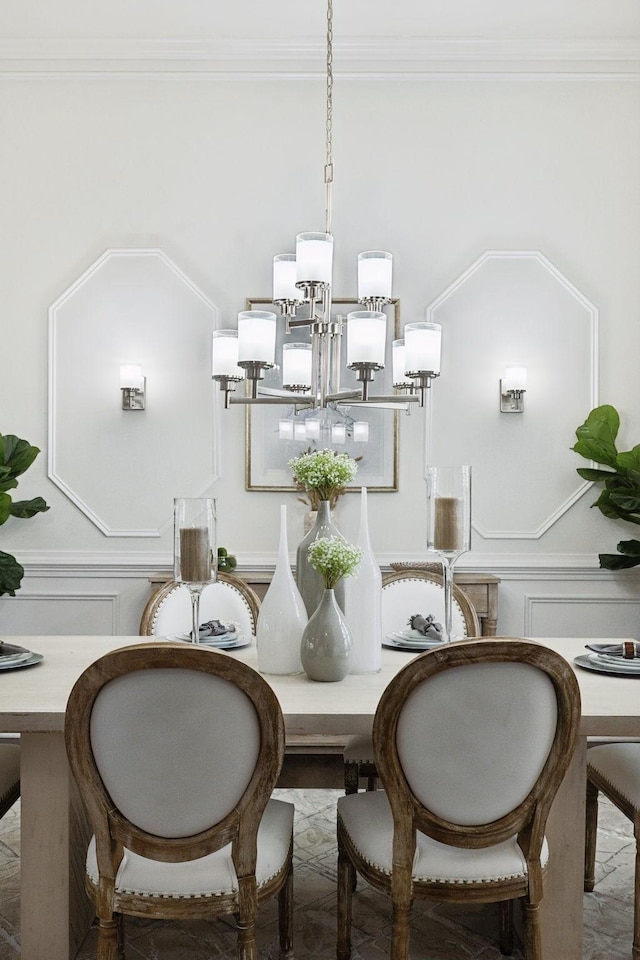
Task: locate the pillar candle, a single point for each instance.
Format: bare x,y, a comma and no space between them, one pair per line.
448,533
195,555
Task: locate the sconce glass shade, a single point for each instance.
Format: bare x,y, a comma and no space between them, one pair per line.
338,433
256,336
374,275
131,376
422,347
366,338
360,431
296,366
284,277
224,355
285,429
314,257
515,377
313,428
400,379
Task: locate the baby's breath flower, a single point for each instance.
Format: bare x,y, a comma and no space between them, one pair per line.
323,473
334,559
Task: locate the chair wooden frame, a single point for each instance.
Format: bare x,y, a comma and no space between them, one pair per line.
527,820
249,596
9,773
596,783
355,769
114,832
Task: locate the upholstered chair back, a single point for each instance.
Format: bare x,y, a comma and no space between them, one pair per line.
476,737
168,613
408,593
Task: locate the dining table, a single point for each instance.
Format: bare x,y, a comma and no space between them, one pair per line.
55,910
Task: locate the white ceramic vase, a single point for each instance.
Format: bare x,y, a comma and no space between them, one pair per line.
282,617
363,602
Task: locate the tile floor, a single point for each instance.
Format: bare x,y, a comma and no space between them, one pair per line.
439,932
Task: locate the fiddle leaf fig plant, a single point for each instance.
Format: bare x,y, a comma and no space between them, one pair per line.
16,456
620,498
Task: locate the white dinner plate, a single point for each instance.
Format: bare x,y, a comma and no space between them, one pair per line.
600,666
226,641
631,663
13,663
395,641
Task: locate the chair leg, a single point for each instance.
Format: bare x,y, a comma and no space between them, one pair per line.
108,939
246,921
505,934
591,831
285,917
351,776
372,783
120,936
531,924
346,883
635,953
400,931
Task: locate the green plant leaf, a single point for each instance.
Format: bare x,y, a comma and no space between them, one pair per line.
629,461
591,473
11,574
626,501
630,548
614,561
28,508
5,507
17,454
597,436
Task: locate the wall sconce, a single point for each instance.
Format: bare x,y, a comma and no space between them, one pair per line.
133,386
512,388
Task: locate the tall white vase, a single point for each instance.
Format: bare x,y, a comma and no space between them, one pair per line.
282,616
363,602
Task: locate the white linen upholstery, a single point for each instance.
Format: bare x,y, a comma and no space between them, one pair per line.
482,714
368,821
136,742
218,601
619,765
212,875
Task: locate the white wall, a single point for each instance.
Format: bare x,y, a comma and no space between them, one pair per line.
220,171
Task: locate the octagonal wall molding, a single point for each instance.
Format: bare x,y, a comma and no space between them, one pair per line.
509,307
122,468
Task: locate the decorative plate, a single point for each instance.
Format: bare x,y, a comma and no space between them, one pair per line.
621,669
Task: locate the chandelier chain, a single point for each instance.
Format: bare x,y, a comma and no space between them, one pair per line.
328,170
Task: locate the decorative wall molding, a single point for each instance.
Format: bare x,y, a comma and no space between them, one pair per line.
597,602
507,306
357,56
66,597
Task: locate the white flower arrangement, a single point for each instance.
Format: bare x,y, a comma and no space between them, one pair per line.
334,559
323,474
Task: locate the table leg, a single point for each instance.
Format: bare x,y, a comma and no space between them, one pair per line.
54,908
561,908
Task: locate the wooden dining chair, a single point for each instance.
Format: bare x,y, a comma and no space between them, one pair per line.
471,743
9,772
176,750
614,770
168,612
405,593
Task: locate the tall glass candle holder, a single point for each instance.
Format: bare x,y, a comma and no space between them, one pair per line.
194,550
448,524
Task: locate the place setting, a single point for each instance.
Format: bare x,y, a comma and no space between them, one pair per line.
13,657
423,633
621,659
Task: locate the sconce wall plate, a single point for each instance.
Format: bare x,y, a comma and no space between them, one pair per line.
134,398
511,401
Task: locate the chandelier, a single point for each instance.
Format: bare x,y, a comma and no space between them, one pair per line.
302,291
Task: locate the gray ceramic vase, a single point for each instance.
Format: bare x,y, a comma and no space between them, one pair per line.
326,650
310,583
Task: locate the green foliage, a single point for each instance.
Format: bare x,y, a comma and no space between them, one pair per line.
323,474
226,560
16,456
620,498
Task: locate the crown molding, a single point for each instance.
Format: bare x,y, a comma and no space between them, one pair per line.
365,56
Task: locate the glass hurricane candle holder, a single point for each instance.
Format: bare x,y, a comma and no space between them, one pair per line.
448,524
194,550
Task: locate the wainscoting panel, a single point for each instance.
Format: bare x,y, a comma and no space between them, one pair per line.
572,615
54,613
